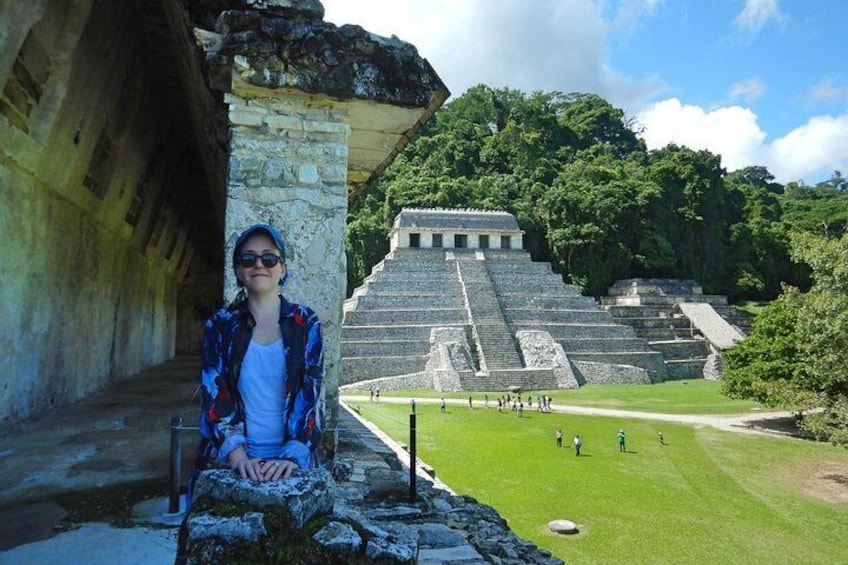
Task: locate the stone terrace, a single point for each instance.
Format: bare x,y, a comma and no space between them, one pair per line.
652,308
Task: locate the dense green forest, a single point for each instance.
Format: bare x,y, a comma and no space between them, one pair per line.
594,202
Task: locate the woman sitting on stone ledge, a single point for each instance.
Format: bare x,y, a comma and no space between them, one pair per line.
261,370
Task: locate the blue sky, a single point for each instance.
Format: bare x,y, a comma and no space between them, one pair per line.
760,82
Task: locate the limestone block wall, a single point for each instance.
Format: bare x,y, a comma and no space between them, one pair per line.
288,167
93,210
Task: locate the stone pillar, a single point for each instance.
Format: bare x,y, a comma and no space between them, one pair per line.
288,167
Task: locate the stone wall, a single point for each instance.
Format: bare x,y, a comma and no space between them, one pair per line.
95,194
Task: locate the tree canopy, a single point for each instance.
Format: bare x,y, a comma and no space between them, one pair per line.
594,201
797,354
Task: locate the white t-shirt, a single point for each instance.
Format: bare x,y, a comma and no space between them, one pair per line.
261,385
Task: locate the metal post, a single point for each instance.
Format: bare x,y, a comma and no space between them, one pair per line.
176,465
412,459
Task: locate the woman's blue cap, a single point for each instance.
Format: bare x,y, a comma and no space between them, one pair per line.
272,233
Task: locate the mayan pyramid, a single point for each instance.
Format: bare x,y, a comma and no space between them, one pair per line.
458,305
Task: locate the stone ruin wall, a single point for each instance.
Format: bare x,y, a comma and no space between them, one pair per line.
93,247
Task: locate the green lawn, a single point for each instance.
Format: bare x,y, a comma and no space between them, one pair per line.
706,497
674,397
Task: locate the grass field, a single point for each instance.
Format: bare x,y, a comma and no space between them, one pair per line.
674,397
706,497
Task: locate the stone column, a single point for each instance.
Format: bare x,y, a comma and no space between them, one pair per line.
288,167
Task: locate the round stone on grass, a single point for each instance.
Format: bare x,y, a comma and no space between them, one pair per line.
563,527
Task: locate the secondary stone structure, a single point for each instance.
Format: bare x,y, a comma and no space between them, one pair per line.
690,328
463,307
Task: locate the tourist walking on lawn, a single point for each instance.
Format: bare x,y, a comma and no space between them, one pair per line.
442,406
577,444
377,394
662,439
371,391
470,402
520,409
621,446
486,400
559,436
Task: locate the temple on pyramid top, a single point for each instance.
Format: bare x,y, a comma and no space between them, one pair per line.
458,229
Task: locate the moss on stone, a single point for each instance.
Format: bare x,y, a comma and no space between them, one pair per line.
281,545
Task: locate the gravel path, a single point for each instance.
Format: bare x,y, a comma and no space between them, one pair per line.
750,422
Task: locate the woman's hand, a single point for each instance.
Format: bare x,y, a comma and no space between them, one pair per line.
246,468
259,470
277,469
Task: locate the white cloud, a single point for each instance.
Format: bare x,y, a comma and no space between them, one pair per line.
749,90
829,89
757,13
815,149
812,150
731,132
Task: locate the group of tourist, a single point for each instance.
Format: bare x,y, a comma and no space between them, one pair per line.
508,402
375,394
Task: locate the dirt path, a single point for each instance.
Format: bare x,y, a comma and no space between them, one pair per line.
749,422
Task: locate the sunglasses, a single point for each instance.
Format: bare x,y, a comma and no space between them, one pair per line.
247,260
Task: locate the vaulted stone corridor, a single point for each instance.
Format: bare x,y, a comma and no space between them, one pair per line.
111,200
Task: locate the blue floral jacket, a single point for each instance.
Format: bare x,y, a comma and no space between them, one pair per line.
222,422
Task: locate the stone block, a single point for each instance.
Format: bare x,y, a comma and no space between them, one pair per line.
326,127
334,174
250,526
306,494
247,116
284,122
307,173
338,536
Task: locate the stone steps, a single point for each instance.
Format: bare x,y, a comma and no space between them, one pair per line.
580,330
392,333
408,301
527,379
355,369
384,348
681,349
511,300
657,322
667,334
597,345
431,316
497,345
557,316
